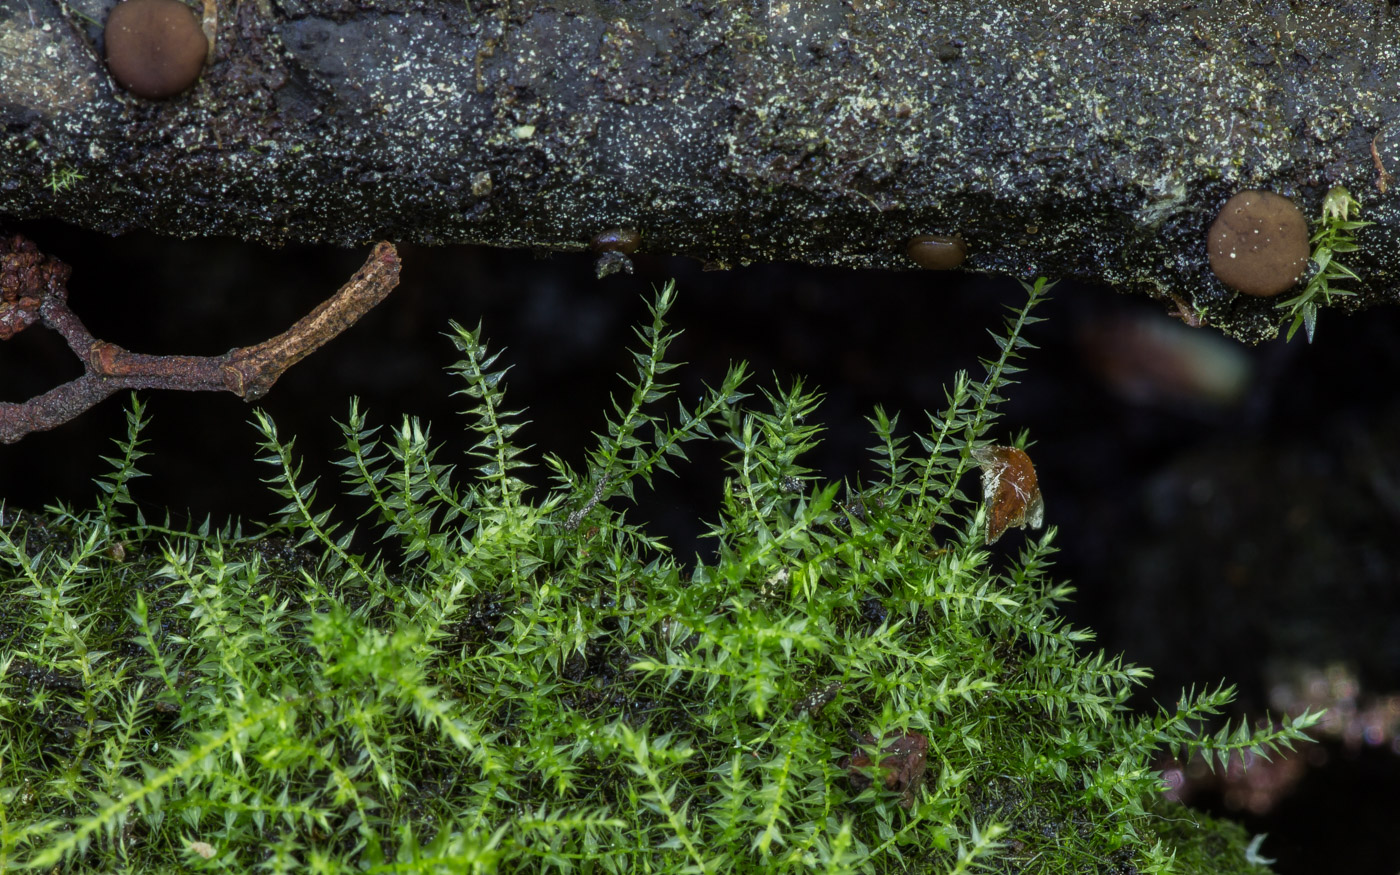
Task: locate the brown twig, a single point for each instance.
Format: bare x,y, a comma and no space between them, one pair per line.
33,287
1384,178
1185,312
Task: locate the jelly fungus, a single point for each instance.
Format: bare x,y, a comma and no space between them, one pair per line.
936,253
1258,244
1009,490
155,48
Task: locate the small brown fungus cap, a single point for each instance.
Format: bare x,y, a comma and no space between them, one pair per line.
936,253
155,48
1258,244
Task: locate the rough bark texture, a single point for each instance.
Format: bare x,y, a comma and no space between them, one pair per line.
1085,139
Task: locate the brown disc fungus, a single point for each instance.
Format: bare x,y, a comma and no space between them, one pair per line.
1258,244
624,240
155,48
936,253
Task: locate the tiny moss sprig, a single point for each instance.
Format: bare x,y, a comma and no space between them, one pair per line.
1334,235
63,178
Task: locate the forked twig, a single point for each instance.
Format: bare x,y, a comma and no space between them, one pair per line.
33,287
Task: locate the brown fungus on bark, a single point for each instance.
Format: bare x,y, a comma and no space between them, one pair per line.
613,246
935,252
155,48
1258,245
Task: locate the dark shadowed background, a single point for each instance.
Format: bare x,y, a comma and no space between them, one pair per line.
1225,512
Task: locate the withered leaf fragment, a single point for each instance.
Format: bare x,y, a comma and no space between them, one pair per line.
901,767
1009,490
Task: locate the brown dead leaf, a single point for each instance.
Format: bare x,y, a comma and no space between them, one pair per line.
902,765
1009,489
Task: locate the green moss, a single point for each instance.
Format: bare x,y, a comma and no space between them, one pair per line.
1334,235
63,178
1204,844
530,681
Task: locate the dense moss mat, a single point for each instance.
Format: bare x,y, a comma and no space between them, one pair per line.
526,680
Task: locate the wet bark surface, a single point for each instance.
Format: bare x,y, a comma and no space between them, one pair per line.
1091,140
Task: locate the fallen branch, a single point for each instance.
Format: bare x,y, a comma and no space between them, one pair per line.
33,287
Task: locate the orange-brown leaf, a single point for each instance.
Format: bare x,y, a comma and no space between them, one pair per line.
1009,489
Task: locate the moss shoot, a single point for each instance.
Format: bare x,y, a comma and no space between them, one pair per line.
848,680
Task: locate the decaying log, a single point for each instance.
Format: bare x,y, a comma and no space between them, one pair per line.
1093,140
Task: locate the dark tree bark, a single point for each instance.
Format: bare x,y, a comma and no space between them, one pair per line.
1093,140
